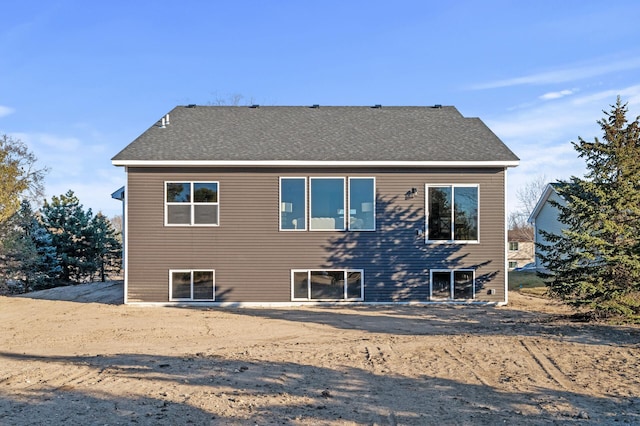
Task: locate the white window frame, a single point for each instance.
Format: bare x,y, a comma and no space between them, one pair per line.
191,204
348,194
344,203
451,285
344,299
306,203
346,225
426,205
191,299
517,246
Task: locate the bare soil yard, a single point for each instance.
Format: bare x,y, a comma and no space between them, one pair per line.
77,356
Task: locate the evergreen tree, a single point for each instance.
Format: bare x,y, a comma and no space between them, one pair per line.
29,254
107,249
70,228
596,261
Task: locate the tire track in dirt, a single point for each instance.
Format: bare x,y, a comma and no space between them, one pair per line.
548,366
465,362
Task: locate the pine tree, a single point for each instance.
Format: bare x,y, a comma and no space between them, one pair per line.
596,261
70,228
29,254
106,245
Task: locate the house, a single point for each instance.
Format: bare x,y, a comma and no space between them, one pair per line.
520,248
289,205
545,217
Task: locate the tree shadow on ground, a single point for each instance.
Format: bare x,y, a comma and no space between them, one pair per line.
453,320
209,389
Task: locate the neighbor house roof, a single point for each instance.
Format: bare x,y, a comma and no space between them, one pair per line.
322,135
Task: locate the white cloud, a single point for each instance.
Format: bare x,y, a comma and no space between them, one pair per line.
5,110
556,95
541,134
78,165
602,67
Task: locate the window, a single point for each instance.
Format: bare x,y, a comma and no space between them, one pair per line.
328,285
293,204
362,204
513,246
191,203
191,285
513,265
326,208
452,213
452,285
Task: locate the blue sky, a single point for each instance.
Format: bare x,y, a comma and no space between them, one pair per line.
80,80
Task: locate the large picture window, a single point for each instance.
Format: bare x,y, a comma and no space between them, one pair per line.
191,203
191,285
326,210
327,204
452,285
452,213
327,285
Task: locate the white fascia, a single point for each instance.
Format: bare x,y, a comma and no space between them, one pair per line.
295,163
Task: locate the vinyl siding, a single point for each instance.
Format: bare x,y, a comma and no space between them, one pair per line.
252,259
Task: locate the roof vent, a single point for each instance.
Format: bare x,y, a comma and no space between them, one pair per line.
377,106
437,106
315,106
255,106
191,106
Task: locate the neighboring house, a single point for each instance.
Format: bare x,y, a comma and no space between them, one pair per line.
290,205
520,249
545,217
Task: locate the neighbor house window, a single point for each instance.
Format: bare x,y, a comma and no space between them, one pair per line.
191,203
327,284
452,213
513,245
452,284
191,285
513,265
293,204
327,204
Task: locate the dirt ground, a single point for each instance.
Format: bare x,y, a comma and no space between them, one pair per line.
77,356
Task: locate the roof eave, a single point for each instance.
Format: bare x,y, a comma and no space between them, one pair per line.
296,163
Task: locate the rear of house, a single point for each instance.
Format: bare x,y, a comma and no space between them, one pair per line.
288,205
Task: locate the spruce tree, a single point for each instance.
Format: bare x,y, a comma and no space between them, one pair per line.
107,249
29,255
595,263
70,228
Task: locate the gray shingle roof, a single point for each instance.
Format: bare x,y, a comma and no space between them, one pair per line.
323,134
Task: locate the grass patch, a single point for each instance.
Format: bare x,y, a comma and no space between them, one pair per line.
526,282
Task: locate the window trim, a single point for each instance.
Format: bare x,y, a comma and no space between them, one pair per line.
344,203
516,244
426,205
350,178
191,299
346,271
191,204
306,203
451,286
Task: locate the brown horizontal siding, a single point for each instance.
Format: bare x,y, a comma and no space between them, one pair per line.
253,259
